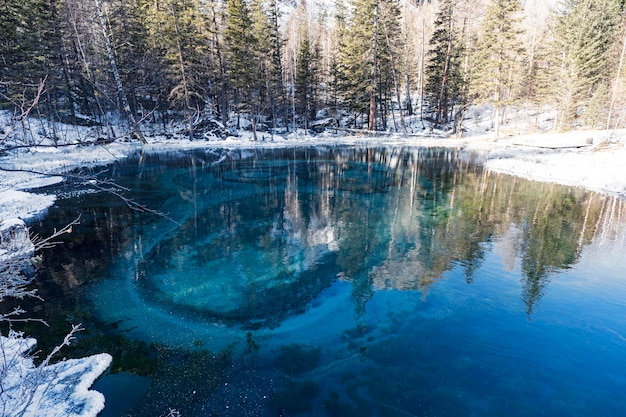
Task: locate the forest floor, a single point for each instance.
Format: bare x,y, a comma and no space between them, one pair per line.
595,160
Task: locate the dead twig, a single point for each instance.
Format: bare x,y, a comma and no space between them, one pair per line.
48,242
25,110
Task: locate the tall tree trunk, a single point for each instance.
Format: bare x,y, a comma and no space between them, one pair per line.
223,81
422,59
497,120
275,79
371,124
116,75
442,105
183,75
407,84
254,111
395,83
497,97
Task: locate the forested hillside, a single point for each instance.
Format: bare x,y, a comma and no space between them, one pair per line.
279,65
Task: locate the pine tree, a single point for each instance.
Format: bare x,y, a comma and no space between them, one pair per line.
444,80
219,89
72,87
620,45
178,36
275,73
141,70
334,66
306,79
27,48
33,47
391,47
365,57
263,90
356,56
499,56
580,64
241,46
123,105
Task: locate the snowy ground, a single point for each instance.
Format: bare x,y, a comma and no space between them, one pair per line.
62,389
592,159
595,160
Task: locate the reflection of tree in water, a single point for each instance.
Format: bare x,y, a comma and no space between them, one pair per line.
395,218
414,248
445,212
551,223
565,221
391,240
549,241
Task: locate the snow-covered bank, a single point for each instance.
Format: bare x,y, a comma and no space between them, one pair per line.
595,160
46,390
599,164
59,390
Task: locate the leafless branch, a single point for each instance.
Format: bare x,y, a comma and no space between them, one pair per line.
40,380
100,184
48,242
69,338
25,109
60,145
112,188
13,316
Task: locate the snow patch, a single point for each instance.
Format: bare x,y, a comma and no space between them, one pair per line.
23,205
58,390
590,159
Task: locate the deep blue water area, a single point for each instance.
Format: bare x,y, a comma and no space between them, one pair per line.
339,281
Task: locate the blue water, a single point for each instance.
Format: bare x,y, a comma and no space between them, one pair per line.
348,282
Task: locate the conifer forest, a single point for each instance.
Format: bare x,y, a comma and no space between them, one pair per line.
278,65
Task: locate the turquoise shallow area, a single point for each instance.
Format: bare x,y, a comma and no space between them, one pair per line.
343,281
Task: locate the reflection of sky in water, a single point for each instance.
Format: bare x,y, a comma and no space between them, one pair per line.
365,282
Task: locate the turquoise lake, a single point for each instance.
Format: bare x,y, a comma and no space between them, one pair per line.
339,281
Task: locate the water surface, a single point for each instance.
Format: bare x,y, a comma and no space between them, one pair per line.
343,282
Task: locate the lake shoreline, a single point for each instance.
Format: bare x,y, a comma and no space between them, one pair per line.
588,159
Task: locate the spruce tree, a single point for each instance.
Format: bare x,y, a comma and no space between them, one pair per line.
356,56
178,36
365,57
27,49
334,71
33,48
123,105
580,64
499,56
391,46
241,47
306,79
219,89
444,80
275,74
140,69
264,76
